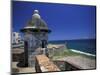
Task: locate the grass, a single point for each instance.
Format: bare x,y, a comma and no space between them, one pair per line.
65,53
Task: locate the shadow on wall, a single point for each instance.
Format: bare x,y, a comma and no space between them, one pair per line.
65,66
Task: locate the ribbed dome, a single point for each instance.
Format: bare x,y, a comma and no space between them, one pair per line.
36,23
39,23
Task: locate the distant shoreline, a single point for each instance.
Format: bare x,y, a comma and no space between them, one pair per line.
83,46
77,51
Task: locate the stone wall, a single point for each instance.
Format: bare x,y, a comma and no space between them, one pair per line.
16,54
65,66
56,48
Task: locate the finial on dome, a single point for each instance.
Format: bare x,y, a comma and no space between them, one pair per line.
36,14
36,11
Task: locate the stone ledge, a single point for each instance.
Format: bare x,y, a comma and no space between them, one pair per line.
45,64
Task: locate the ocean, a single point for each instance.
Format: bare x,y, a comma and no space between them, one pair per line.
83,45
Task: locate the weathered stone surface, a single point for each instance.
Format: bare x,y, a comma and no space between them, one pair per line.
80,62
16,54
16,69
45,64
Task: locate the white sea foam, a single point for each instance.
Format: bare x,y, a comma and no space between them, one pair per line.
82,52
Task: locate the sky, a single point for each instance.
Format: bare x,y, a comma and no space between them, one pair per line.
66,21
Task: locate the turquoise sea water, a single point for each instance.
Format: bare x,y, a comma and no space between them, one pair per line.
84,45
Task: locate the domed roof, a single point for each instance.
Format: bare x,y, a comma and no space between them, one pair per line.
36,23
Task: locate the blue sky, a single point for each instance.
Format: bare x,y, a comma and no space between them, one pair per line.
66,21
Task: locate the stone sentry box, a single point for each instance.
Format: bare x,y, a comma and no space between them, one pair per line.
35,40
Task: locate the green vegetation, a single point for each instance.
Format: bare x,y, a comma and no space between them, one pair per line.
65,53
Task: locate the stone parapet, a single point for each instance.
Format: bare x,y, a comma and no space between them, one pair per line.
44,64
